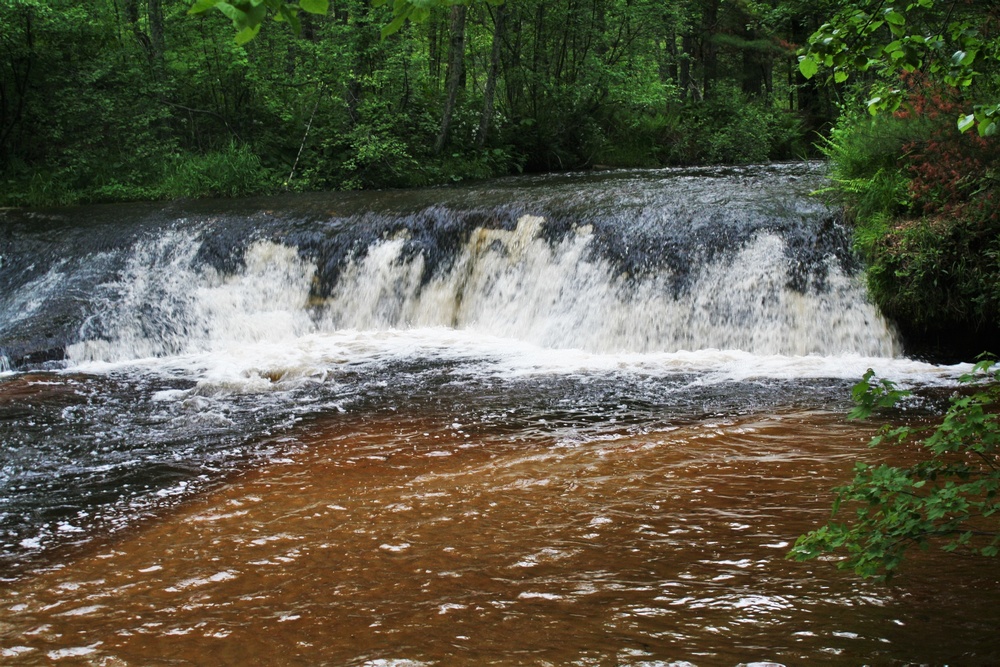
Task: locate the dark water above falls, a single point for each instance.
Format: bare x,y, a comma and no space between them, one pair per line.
557,420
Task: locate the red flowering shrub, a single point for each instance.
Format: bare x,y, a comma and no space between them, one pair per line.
952,174
925,202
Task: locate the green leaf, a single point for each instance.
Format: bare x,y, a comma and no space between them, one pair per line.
246,34
966,122
421,14
315,6
238,16
840,76
808,67
393,26
256,15
289,15
894,17
202,6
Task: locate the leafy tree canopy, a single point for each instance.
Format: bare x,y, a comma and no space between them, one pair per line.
953,41
249,15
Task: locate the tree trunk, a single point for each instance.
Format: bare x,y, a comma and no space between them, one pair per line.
456,61
157,44
515,81
14,98
688,86
131,10
670,63
152,43
752,79
364,37
491,77
710,51
810,106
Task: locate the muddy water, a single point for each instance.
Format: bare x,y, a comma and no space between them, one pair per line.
408,539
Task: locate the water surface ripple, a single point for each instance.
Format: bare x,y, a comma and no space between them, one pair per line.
406,535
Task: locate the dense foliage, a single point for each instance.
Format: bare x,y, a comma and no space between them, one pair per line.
950,496
125,99
921,186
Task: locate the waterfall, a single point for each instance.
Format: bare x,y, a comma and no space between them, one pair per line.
668,265
517,285
147,349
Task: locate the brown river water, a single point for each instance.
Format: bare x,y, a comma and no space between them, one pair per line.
407,539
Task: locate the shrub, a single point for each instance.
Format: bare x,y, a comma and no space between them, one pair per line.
231,172
922,199
950,495
734,129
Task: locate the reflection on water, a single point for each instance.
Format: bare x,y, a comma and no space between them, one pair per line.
399,538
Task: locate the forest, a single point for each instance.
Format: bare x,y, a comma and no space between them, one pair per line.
138,99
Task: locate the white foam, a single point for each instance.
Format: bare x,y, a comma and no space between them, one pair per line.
320,357
511,305
73,652
514,284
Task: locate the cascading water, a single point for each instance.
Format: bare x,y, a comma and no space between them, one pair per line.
711,273
662,275
147,352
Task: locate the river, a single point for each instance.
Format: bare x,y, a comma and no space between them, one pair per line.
558,420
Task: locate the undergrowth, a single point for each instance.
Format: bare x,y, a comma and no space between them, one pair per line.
922,198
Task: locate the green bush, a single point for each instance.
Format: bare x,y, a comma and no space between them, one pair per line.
864,155
233,171
733,129
639,140
932,265
950,496
745,135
